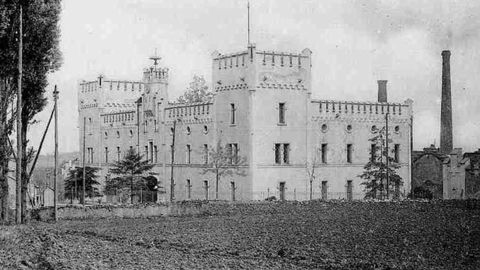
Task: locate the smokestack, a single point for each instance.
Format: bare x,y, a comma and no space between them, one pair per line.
382,91
446,137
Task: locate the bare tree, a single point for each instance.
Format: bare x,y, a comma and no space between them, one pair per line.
311,172
224,160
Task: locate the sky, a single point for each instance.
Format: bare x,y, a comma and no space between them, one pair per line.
354,44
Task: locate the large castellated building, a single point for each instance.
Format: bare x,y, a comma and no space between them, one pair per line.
262,108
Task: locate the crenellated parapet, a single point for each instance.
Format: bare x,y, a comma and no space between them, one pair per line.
155,73
326,109
200,112
230,61
118,85
283,59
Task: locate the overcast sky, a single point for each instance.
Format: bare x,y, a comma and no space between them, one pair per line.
354,44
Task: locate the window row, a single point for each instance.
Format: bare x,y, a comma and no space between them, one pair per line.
188,130
349,128
229,61
282,62
130,133
281,113
282,153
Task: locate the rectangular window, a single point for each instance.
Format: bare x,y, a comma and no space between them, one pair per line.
373,152
205,153
151,151
233,152
286,150
282,153
397,153
118,153
155,125
281,113
155,150
106,154
188,152
324,153
349,190
146,152
232,113
349,153
278,154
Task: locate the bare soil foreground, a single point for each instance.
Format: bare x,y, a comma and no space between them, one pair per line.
334,235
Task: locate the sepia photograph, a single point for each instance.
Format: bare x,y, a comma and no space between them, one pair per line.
239,134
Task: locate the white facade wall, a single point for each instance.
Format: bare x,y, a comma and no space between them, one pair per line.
255,82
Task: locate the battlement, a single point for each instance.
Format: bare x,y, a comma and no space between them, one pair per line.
284,59
155,73
118,118
119,85
189,110
325,107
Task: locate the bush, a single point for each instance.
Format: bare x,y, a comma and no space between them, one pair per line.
421,193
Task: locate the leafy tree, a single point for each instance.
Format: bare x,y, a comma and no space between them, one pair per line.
41,55
129,171
375,171
75,178
196,92
223,161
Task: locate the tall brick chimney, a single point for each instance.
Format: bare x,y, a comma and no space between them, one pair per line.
382,90
446,137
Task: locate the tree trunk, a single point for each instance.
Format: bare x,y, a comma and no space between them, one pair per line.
216,184
131,189
4,150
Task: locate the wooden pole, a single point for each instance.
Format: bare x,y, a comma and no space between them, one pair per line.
172,182
18,171
55,170
83,180
386,149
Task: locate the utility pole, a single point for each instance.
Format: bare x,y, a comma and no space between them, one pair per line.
172,182
55,170
386,149
83,181
18,170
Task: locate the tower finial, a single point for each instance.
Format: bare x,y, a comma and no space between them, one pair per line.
155,58
248,22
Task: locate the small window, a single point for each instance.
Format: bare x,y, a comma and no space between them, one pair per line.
118,134
189,131
324,128
374,128
171,131
397,129
205,153
232,114
349,128
188,154
397,153
205,129
349,153
286,151
281,113
278,154
131,133
324,152
118,153
106,135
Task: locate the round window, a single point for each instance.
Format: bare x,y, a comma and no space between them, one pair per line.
324,128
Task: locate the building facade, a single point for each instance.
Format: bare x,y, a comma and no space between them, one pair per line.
263,110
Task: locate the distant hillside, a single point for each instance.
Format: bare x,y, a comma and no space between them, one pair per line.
45,161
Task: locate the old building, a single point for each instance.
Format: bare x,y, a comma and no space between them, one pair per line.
262,110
